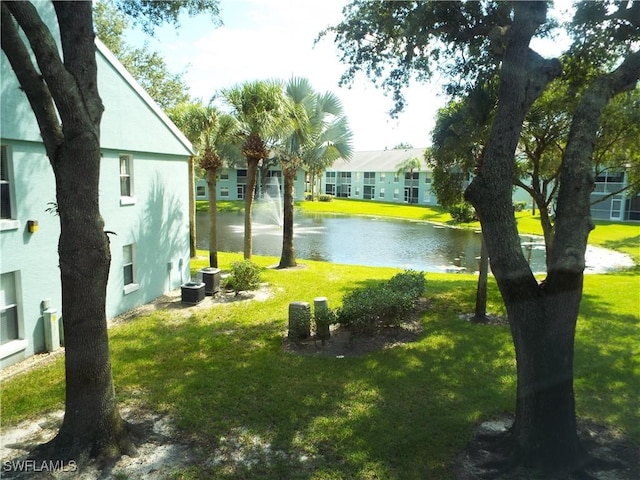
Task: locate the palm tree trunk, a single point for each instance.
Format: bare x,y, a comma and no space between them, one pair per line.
288,259
213,218
252,169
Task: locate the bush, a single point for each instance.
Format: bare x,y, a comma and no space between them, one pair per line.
409,281
325,198
382,305
463,213
519,206
323,318
245,275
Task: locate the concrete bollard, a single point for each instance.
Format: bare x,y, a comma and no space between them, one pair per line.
321,316
299,320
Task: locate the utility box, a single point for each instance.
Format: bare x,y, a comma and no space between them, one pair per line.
51,329
192,292
211,279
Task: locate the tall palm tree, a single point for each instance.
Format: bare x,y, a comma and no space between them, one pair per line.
213,134
298,136
323,139
333,134
408,166
261,110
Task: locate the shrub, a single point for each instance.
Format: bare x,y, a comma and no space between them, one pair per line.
519,206
245,275
383,305
409,281
323,318
325,198
463,213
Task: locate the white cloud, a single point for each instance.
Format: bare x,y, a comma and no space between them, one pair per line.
263,39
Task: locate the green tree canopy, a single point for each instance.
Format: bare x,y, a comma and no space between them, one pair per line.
168,89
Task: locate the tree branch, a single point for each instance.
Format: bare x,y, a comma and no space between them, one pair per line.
573,222
62,85
31,82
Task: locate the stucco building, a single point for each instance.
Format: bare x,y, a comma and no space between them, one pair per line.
144,196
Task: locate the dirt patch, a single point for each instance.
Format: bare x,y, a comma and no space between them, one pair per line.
173,301
160,450
611,455
344,343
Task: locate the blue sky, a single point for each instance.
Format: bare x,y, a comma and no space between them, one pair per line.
264,39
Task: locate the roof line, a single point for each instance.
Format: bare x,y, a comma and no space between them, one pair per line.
112,59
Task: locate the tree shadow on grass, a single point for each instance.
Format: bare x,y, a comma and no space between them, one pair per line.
253,411
343,417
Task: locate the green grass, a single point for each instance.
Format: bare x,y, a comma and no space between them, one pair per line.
401,413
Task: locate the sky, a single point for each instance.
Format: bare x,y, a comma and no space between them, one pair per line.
274,39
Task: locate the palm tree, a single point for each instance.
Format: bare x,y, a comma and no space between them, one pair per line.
261,110
408,166
289,152
330,139
213,134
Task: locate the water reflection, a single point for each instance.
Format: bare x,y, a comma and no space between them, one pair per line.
361,241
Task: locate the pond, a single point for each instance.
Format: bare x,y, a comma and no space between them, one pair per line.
359,240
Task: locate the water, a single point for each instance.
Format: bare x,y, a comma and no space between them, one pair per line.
360,241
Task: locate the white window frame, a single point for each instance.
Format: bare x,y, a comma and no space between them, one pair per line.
18,344
7,182
125,199
129,263
224,191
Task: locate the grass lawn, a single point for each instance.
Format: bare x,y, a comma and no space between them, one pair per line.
401,413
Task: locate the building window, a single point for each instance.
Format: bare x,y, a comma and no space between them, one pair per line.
369,178
382,177
128,269
5,185
396,194
200,191
241,191
369,192
224,175
126,180
396,178
9,330
381,194
224,191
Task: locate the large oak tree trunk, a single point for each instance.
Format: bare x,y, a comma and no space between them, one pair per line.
542,316
92,426
287,258
544,433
